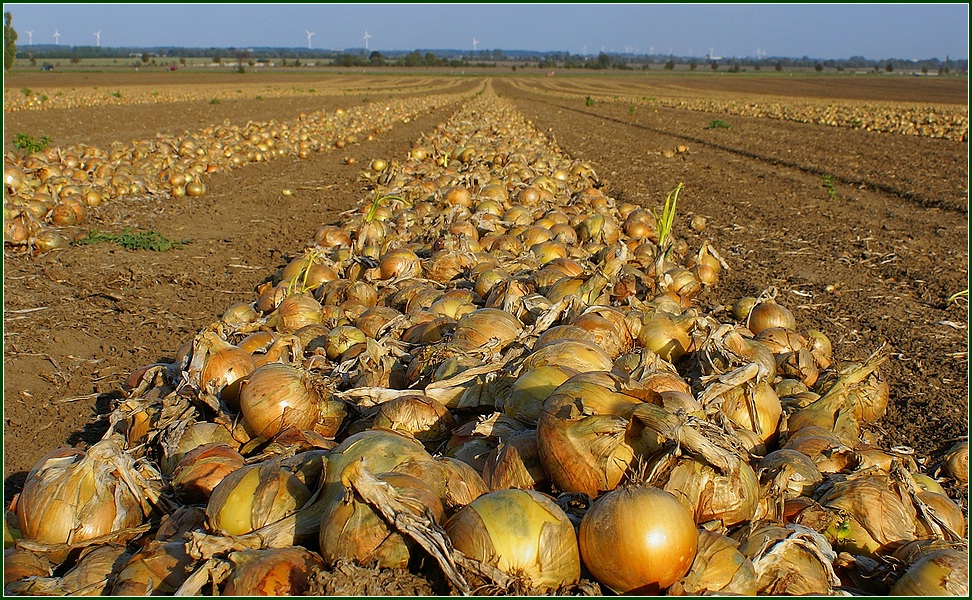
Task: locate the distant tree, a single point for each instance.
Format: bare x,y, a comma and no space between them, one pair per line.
218,59
778,66
182,60
145,57
241,56
9,42
714,66
498,55
693,66
817,67
75,60
603,61
756,67
889,67
670,65
375,59
840,68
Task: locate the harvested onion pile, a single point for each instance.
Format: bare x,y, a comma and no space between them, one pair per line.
55,190
494,369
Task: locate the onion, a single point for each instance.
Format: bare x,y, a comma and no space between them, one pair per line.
522,533
276,397
201,470
224,368
354,530
942,572
486,326
515,463
582,436
638,539
272,572
157,569
719,569
296,311
525,398
399,263
254,496
420,416
767,314
578,355
877,516
71,496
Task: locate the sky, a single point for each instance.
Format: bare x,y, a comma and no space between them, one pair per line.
823,31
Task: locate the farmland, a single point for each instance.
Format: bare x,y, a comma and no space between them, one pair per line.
849,196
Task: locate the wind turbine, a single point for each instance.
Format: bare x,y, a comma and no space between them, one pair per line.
57,38
30,37
309,34
475,43
97,35
366,37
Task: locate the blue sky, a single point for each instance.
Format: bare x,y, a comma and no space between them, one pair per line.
875,31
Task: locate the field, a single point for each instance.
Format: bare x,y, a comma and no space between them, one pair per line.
861,227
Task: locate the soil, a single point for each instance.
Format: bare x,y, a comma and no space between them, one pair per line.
871,260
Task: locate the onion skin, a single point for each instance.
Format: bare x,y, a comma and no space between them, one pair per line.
254,496
638,539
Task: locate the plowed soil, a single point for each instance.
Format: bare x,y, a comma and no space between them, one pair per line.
870,260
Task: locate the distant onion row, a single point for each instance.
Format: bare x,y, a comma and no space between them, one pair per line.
495,370
56,188
905,118
75,97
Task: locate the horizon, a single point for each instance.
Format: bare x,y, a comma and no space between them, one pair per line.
876,32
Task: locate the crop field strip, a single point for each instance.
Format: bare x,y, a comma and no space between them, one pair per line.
839,175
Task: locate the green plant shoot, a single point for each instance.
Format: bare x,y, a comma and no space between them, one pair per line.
665,221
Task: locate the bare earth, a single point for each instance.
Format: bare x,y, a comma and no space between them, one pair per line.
873,266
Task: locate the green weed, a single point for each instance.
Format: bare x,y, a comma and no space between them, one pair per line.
214,101
718,124
30,144
828,181
589,101
149,240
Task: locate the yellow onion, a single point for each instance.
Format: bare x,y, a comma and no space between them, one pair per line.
157,569
193,436
522,533
399,263
638,539
423,417
877,516
526,396
90,575
224,368
352,529
767,314
254,496
666,336
276,397
484,327
956,462
756,408
731,497
943,572
240,313
341,339
71,496
515,463
578,355
719,569
582,436
827,451
794,473
296,311
791,560
272,572
202,468
611,335
372,320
